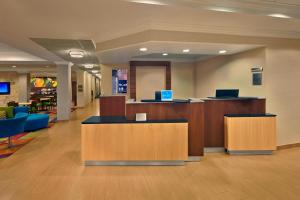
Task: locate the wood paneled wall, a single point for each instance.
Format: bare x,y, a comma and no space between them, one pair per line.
135,64
112,106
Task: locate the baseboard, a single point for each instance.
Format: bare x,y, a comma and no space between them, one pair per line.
288,146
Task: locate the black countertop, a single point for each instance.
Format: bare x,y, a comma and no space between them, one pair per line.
250,115
123,120
233,98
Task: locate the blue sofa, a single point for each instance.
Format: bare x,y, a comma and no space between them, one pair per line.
13,126
33,121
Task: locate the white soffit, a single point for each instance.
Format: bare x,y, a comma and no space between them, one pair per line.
9,53
174,49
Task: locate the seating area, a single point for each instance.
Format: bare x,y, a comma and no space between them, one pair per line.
13,126
36,105
19,119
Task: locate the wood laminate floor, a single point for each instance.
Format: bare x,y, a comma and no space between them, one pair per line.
49,168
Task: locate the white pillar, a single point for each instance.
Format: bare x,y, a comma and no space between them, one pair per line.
24,87
64,90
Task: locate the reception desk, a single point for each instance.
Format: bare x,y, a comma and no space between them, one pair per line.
118,141
192,111
250,134
216,109
205,118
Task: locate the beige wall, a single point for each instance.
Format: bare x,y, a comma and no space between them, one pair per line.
88,83
148,80
231,71
283,91
280,83
11,77
182,76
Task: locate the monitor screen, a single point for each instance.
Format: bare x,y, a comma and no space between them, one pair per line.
228,93
158,95
166,95
4,88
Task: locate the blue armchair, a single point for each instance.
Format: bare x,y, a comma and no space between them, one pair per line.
12,126
21,109
34,121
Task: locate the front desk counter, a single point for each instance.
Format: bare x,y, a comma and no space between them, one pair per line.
118,141
216,109
205,118
250,134
192,111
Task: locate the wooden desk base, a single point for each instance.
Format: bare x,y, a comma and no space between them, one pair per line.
135,144
250,135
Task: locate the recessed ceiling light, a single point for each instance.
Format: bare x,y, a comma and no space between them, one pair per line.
222,51
143,49
278,15
14,66
165,54
76,54
152,2
89,66
95,71
185,50
221,9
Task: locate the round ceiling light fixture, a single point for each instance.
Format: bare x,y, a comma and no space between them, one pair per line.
221,9
143,49
185,50
89,66
222,51
165,54
76,54
279,15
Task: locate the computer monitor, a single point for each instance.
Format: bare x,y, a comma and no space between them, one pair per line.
227,93
157,95
166,95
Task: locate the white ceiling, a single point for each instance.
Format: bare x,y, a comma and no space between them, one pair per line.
197,51
102,20
9,53
256,7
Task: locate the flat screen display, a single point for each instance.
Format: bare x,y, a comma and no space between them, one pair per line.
166,95
4,88
227,93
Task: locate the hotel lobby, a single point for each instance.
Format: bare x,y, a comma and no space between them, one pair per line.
138,99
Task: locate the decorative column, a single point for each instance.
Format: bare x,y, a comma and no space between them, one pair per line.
24,87
64,90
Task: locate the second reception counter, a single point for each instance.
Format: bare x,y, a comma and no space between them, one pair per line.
118,141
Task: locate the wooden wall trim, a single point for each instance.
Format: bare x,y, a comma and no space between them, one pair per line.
288,146
132,81
132,76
